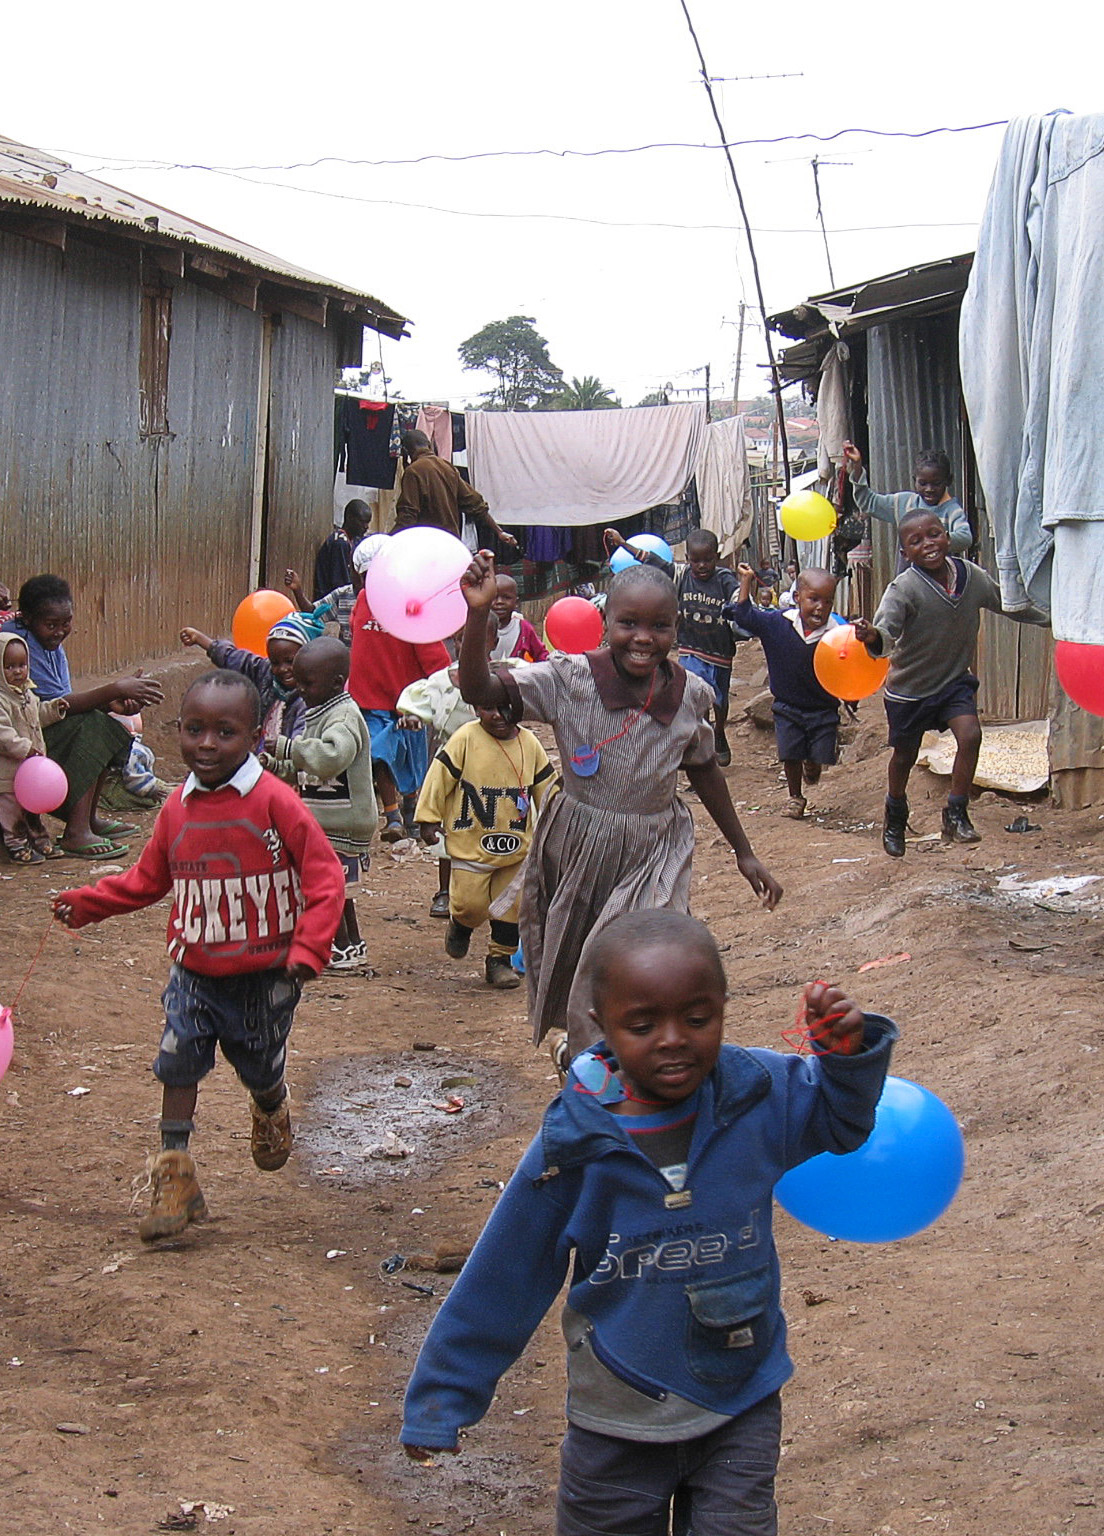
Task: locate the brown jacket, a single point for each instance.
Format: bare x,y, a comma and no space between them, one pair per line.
433,495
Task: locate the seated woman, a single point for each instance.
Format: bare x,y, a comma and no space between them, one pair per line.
87,742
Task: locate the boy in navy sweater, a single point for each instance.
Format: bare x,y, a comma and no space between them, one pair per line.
806,717
652,1178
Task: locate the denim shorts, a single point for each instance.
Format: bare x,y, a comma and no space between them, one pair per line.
248,1015
719,678
805,738
720,1484
908,719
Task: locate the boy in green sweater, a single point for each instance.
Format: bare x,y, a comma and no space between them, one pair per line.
331,763
927,622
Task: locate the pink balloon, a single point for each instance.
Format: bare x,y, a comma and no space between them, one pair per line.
413,585
40,784
7,1039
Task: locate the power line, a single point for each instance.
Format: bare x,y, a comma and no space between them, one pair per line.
123,163
751,246
570,218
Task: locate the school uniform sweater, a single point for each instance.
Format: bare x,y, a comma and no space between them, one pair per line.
929,633
476,788
380,666
255,884
332,764
891,506
680,1293
789,660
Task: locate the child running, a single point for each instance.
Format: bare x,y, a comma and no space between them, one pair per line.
517,639
257,896
332,764
705,638
484,787
282,709
618,838
927,623
650,1181
806,716
22,716
931,492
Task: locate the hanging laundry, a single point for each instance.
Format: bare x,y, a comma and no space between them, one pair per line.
366,428
436,422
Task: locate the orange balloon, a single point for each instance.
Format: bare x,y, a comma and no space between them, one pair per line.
255,616
845,668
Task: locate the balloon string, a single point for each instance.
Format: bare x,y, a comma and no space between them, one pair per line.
803,1036
417,604
34,961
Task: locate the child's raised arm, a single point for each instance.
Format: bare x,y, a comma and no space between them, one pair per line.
478,684
747,576
190,636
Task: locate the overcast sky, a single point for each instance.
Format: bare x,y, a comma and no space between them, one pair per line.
233,85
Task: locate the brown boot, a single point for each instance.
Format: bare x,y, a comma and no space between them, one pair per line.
271,1138
177,1198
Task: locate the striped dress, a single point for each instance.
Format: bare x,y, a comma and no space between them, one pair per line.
618,841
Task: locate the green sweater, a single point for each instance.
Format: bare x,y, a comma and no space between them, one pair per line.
928,633
332,764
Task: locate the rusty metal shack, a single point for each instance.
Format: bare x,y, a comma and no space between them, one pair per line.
898,338
166,431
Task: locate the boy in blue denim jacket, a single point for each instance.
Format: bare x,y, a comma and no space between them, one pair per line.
652,1177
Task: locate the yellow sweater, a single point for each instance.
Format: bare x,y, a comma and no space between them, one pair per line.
482,791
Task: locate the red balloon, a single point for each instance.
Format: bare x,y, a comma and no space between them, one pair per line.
573,625
255,616
845,668
1080,670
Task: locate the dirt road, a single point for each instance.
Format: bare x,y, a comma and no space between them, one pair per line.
950,1383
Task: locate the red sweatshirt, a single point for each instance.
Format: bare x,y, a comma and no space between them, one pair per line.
380,666
255,883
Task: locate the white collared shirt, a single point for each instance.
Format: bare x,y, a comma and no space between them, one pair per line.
243,780
794,617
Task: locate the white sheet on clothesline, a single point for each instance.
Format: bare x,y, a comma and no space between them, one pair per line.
569,468
724,484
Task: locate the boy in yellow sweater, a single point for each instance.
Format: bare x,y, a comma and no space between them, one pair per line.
482,790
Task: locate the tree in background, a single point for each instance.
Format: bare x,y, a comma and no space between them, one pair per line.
586,394
657,397
517,355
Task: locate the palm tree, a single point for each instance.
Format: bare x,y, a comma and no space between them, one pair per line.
586,394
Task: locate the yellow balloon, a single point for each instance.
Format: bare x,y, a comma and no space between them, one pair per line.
808,516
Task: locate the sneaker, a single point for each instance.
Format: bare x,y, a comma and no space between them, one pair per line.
270,1138
392,830
439,906
176,1199
349,959
557,1049
500,973
457,939
957,826
794,807
893,830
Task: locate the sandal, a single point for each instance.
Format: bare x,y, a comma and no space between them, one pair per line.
112,829
49,850
24,856
102,849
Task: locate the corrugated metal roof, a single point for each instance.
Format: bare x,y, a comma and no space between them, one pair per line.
40,182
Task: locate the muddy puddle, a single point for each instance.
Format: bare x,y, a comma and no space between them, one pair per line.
372,1121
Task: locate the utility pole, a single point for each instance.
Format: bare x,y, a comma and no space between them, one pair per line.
708,402
739,355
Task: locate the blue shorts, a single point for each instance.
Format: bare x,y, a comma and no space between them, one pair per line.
248,1015
804,737
713,673
908,719
405,753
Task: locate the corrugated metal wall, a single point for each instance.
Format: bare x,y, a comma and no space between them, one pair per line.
300,447
914,401
152,533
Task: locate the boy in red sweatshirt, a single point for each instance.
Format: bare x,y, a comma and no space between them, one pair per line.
257,896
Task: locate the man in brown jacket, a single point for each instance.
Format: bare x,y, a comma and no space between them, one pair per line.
433,494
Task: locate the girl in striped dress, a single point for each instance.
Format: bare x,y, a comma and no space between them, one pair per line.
626,718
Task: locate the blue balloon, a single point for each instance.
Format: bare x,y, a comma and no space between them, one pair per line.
897,1183
620,560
